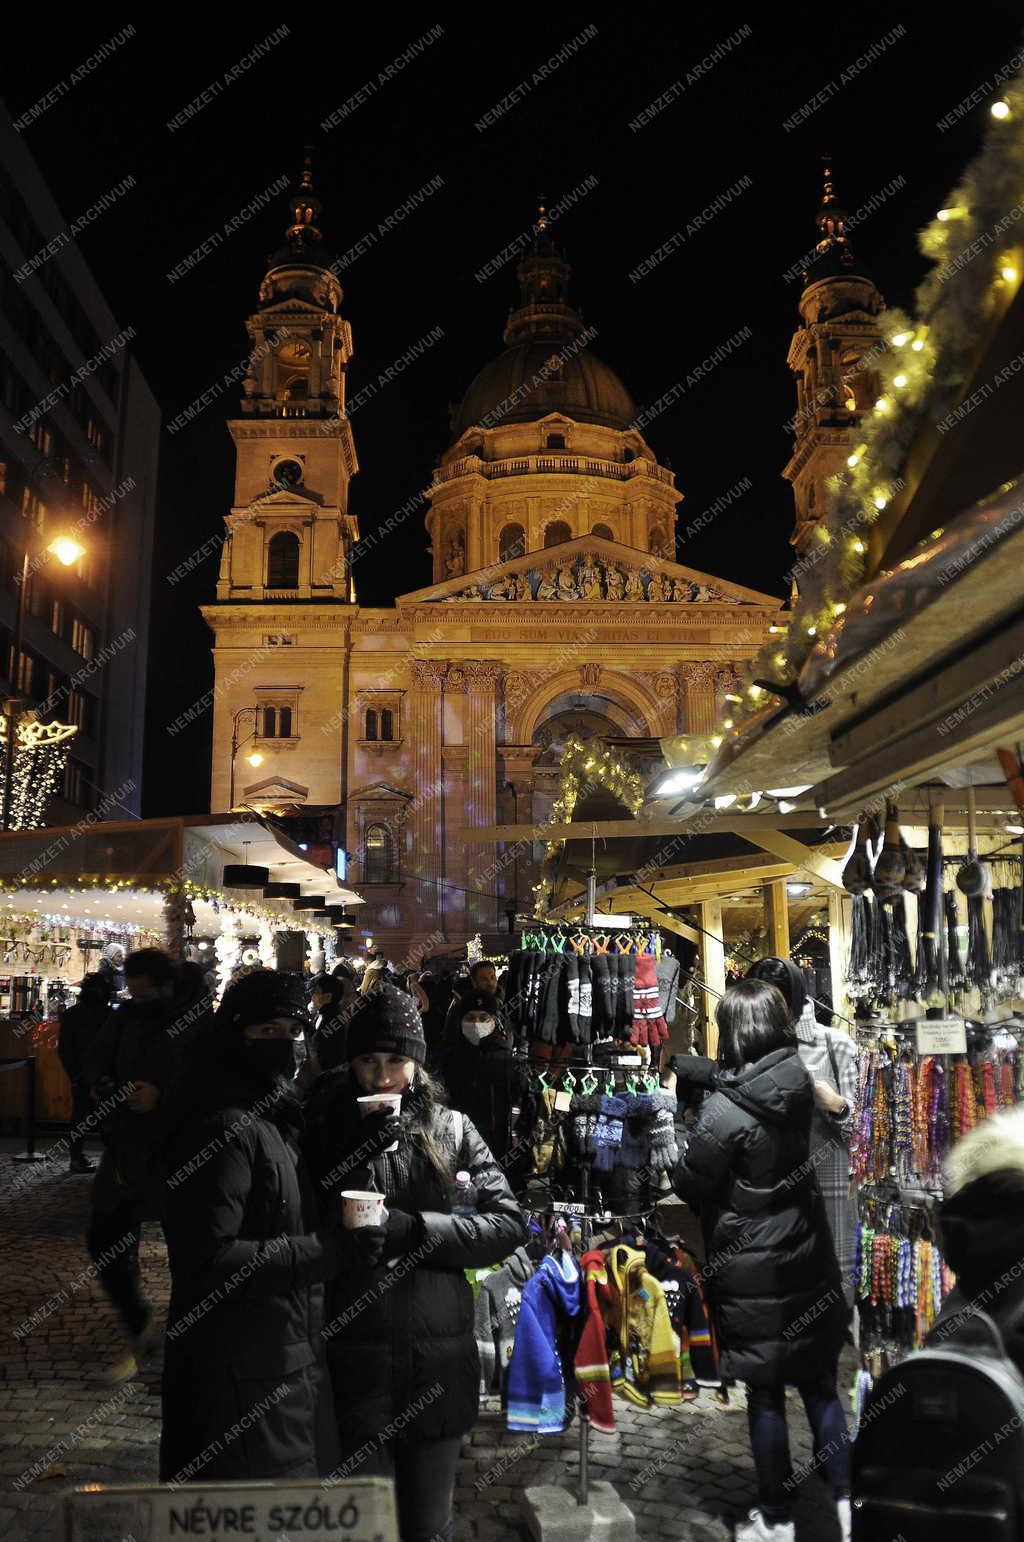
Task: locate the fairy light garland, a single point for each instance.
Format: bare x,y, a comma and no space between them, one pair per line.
170,886
977,264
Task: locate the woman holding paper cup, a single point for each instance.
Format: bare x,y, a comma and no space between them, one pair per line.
400,1339
248,1255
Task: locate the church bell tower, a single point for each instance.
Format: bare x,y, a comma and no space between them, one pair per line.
831,356
289,532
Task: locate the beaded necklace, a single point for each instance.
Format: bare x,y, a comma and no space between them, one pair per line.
902,1123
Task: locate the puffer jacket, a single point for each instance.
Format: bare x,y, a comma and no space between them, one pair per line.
400,1338
247,1269
771,1272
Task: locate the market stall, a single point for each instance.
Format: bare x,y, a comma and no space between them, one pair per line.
226,891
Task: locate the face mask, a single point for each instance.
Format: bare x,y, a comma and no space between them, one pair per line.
271,1057
477,1032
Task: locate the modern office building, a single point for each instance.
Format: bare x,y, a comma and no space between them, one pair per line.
79,441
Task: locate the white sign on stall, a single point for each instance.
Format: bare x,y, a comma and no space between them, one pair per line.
354,1510
942,1036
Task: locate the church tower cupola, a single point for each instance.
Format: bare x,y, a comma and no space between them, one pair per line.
544,313
831,355
295,452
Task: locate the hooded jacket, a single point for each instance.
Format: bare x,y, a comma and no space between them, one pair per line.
497,1312
396,1334
543,1349
771,1271
480,1077
645,1359
981,1235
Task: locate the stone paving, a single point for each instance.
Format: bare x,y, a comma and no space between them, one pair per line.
685,1472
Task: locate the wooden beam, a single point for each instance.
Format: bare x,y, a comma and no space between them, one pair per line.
776,916
712,967
839,950
803,858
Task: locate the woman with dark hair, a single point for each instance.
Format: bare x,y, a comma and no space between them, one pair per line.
831,1059
332,998
244,1389
772,1275
476,1066
400,1337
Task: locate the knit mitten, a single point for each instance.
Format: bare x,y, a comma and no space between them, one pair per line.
608,1133
635,1149
664,1152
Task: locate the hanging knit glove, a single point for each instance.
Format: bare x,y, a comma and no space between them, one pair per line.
635,1150
664,1152
608,1133
649,1027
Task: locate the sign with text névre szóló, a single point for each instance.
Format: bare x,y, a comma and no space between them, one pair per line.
350,1510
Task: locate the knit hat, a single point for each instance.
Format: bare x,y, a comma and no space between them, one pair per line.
387,1021
480,1001
261,996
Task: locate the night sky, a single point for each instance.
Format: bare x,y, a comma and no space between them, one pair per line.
726,124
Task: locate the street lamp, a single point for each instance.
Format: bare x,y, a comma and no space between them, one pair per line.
67,550
254,757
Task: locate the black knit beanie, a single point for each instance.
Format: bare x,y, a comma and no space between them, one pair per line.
262,996
387,1021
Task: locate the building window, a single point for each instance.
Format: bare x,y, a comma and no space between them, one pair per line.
83,639
378,855
370,724
57,617
604,532
279,640
283,561
74,785
41,437
33,508
277,723
511,543
381,720
78,709
95,435
387,724
556,442
21,671
557,532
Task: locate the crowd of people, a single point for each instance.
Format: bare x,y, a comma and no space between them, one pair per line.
256,1132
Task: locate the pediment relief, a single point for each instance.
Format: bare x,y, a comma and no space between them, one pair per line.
590,569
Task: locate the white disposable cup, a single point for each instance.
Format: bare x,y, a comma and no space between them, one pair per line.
360,1208
375,1102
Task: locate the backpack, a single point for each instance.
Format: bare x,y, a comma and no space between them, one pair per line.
939,1456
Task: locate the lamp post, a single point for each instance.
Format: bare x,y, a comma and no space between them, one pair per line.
254,757
67,550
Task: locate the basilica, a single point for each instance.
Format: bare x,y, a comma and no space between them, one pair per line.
557,604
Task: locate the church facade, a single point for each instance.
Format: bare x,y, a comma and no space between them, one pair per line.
557,603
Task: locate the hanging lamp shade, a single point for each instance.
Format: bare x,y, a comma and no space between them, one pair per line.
240,875
337,917
310,902
281,891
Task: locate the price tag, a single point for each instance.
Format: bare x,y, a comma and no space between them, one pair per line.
944,1036
353,1510
563,1102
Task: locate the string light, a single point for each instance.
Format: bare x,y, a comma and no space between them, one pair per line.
1000,109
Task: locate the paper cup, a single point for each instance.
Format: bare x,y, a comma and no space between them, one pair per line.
360,1208
374,1102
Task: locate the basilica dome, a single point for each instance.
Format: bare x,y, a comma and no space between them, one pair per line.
547,365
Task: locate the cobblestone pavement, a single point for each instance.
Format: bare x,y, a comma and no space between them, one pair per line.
685,1472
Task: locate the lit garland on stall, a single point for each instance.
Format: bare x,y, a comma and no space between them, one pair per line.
114,885
38,768
583,765
978,260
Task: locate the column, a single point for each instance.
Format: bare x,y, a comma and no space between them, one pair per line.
839,908
427,856
481,685
698,683
776,916
712,967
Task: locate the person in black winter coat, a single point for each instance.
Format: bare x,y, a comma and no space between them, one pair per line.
79,1026
131,1069
248,1256
477,1067
772,1275
332,999
400,1336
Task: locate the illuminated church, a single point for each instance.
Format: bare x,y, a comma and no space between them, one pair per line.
556,605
